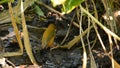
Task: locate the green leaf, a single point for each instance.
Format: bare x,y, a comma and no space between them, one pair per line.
38,10
57,2
5,1
69,5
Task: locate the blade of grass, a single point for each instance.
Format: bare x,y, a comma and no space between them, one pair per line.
102,26
15,27
84,65
5,16
76,39
26,37
106,30
111,44
7,54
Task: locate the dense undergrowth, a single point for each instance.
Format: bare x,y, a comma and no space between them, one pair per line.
91,26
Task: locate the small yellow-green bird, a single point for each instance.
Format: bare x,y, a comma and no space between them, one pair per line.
48,36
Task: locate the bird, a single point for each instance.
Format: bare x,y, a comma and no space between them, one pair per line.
48,36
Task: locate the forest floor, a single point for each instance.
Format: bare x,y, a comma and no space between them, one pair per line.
58,57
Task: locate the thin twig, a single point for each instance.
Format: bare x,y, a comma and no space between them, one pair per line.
68,30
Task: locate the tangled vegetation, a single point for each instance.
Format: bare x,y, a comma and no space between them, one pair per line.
88,25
